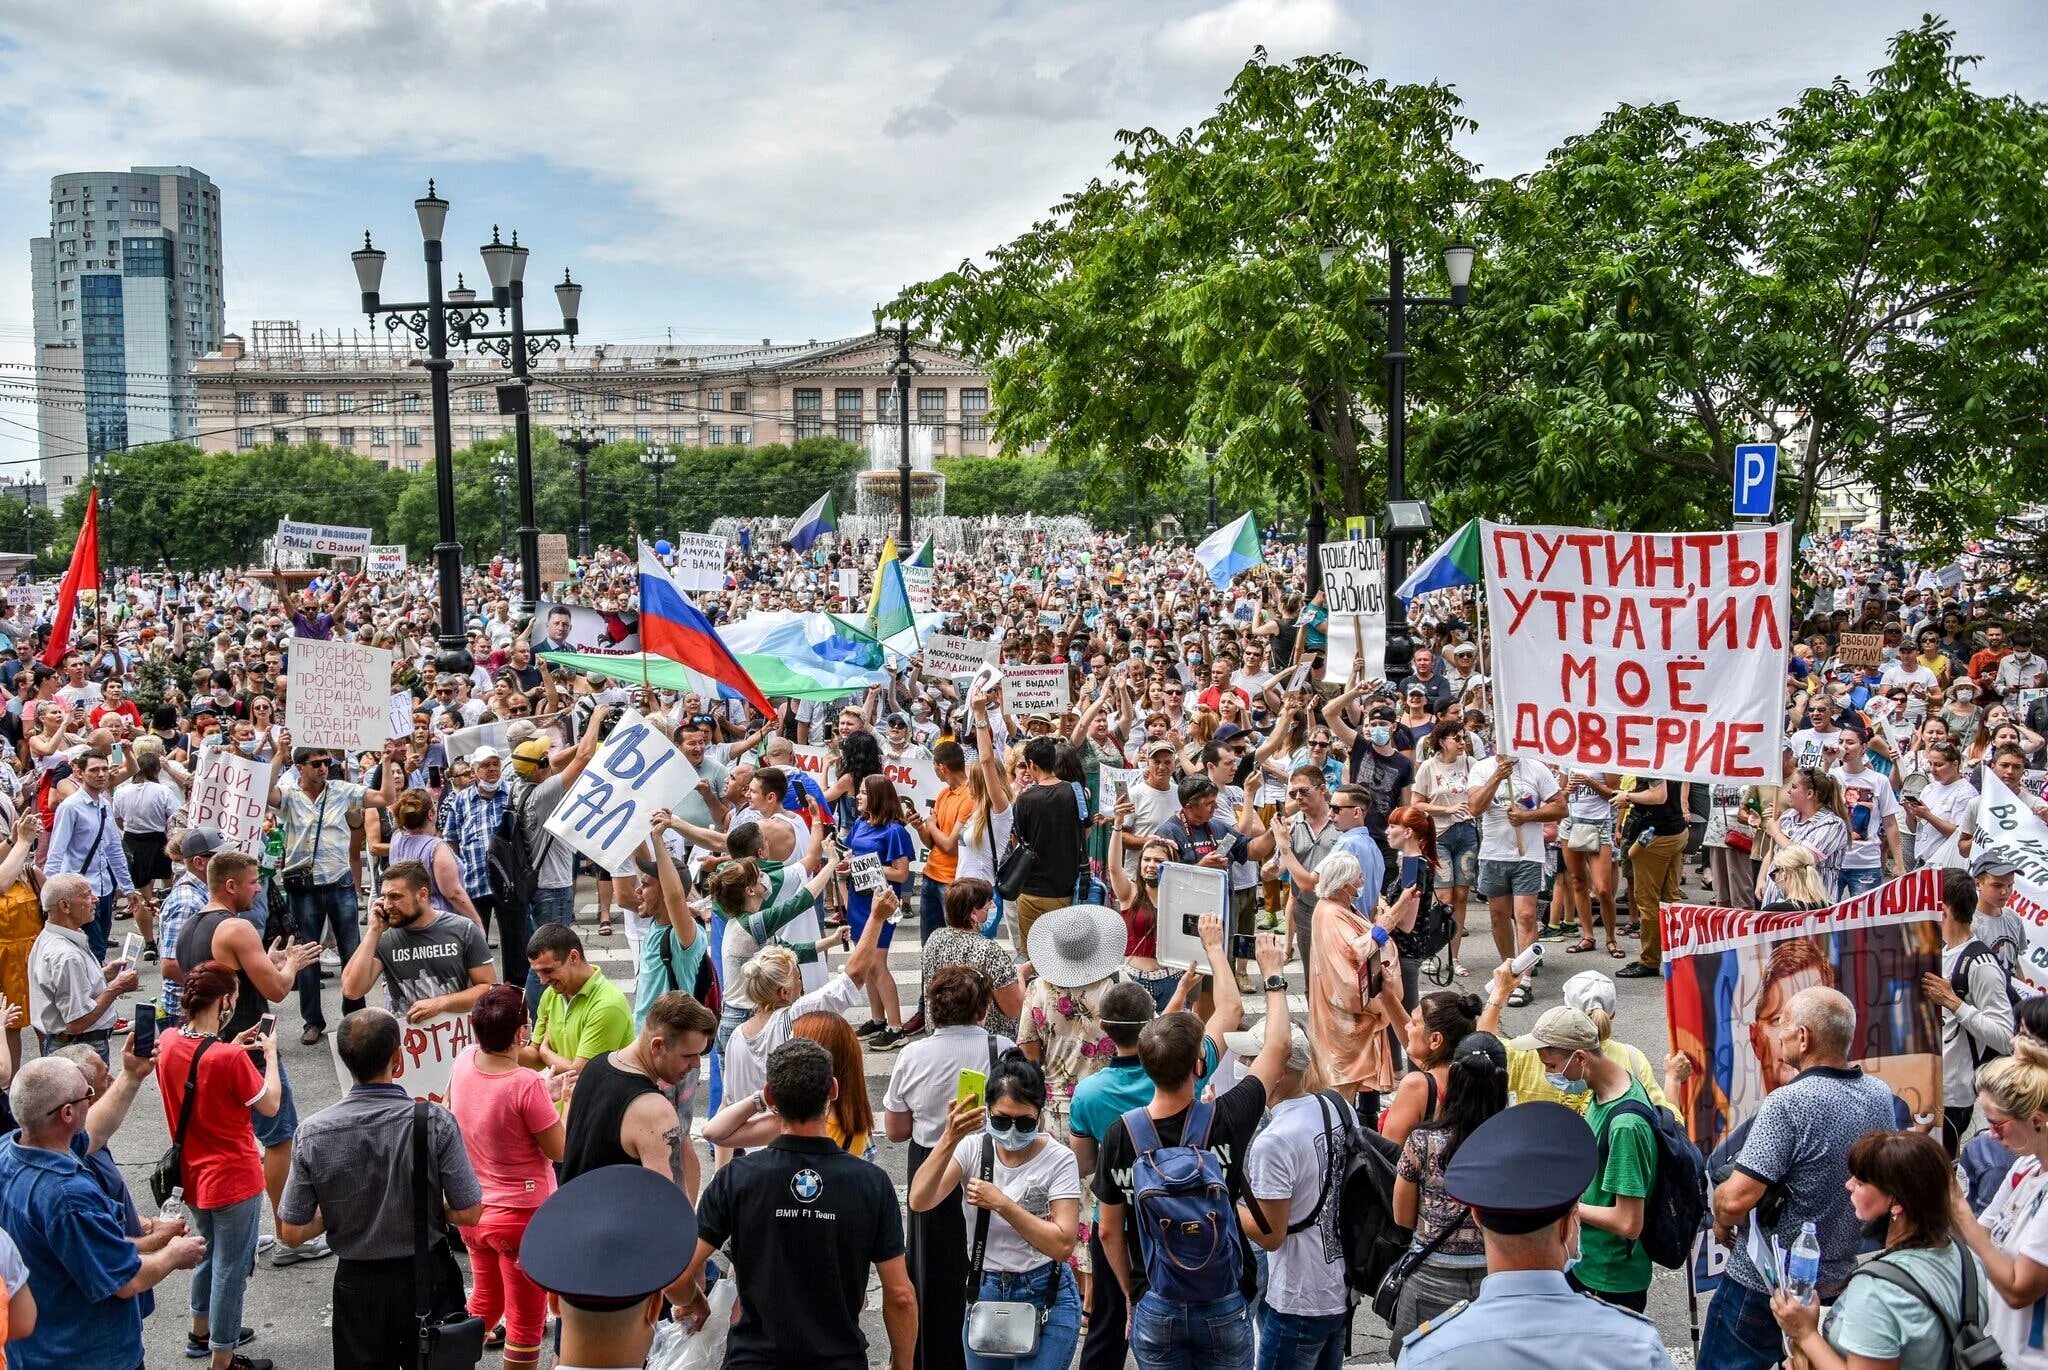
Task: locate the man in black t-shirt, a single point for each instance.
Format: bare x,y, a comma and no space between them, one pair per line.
1380,764
1048,820
1170,1050
806,1222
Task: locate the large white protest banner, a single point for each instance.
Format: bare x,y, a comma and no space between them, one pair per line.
2008,826
948,654
1660,654
915,780
426,1056
386,560
230,794
322,539
1035,689
399,723
604,815
699,561
340,695
463,741
1355,594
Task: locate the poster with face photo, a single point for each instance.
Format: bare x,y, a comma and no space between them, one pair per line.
573,628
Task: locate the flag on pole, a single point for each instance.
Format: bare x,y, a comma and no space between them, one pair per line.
1230,549
813,523
671,626
924,555
889,611
83,571
1457,562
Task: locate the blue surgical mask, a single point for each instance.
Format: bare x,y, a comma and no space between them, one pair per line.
1558,1082
1381,736
1017,1138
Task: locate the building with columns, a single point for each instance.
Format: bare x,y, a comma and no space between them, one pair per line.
365,396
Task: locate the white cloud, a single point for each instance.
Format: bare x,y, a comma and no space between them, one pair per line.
1223,35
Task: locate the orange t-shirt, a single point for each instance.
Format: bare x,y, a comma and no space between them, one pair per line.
950,812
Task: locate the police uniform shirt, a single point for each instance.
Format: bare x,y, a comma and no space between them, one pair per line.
1534,1320
806,1224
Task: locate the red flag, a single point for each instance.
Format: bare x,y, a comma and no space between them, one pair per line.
85,570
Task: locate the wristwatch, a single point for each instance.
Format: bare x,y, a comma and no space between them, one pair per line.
1277,982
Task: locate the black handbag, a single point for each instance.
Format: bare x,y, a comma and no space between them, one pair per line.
169,1173
1387,1298
452,1341
1018,865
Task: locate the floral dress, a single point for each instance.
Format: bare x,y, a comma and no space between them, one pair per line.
1067,1025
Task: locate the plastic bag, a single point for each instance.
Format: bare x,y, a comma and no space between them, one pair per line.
674,1348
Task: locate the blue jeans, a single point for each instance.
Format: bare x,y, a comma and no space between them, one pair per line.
220,1279
99,933
1298,1341
548,906
1061,1331
315,910
1191,1336
1740,1333
714,1065
1855,882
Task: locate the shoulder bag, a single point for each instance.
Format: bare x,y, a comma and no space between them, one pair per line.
1002,1327
1387,1298
1016,868
1967,1345
169,1173
452,1341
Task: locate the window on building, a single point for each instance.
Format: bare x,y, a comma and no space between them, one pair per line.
411,403
717,435
675,401
739,402
316,403
545,402
675,435
931,406
280,403
245,403
809,406
973,414
576,404
245,438
346,437
642,401
380,437
280,436
885,401
312,435
380,402
476,401
611,435
412,437
742,436
643,435
413,467
345,402
846,414
714,399
611,403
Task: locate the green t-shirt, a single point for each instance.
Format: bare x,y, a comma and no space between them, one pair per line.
597,1020
1611,1264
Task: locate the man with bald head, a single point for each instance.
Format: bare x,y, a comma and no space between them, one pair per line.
1798,1146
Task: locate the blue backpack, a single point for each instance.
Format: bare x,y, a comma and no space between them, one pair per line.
1187,1226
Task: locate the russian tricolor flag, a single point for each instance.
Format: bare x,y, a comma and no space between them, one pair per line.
672,627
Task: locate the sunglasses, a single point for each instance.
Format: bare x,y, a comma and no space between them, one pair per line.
999,1123
323,762
1340,808
73,1103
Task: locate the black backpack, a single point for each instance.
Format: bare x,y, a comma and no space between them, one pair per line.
1360,1176
1678,1195
512,866
1959,981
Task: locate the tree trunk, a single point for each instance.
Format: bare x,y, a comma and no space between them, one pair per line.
1343,431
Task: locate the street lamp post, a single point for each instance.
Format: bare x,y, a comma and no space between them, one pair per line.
1406,518
503,480
518,346
429,321
904,367
582,439
655,457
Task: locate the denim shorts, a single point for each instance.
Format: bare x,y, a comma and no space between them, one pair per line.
279,1128
1457,852
1500,878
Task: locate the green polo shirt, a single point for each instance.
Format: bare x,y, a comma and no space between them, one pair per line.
598,1019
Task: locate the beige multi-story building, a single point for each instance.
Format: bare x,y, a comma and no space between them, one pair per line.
372,399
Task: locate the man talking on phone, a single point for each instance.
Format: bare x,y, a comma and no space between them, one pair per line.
223,931
433,961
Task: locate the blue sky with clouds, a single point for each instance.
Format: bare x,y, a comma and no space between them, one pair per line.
717,172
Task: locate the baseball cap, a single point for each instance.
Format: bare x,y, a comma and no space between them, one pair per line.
1252,1041
483,754
1161,746
202,841
1562,1028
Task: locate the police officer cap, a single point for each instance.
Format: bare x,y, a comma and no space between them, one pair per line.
609,1238
1524,1168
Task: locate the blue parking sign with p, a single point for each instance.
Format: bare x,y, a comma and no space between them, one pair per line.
1756,479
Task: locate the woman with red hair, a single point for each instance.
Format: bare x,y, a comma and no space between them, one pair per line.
1412,837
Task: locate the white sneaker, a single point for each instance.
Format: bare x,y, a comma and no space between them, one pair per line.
330,958
265,1243
314,1250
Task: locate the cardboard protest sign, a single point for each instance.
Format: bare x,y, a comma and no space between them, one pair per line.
2007,825
24,596
949,654
604,815
865,871
1035,689
340,695
464,741
699,561
1186,893
1115,782
399,723
553,558
1730,973
847,583
917,586
426,1056
1355,594
230,793
1659,654
1861,649
386,560
322,539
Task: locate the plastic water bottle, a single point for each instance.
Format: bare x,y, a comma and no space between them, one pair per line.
1802,1266
173,1209
1528,957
